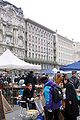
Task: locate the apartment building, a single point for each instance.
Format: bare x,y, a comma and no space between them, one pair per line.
40,44
12,29
64,50
76,48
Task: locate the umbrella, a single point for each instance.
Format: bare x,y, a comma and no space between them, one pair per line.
71,67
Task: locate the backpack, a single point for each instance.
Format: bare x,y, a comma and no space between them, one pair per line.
57,94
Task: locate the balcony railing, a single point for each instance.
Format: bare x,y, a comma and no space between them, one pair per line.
9,33
39,60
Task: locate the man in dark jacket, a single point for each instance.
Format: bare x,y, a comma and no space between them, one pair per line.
31,79
75,80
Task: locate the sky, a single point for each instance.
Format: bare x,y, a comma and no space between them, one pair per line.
60,15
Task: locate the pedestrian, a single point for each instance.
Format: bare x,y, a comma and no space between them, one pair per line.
75,80
58,78
1,82
31,78
71,110
52,109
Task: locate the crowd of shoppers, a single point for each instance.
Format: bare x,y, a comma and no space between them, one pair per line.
66,109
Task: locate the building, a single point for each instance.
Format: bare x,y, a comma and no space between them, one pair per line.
64,50
12,29
32,41
76,48
40,44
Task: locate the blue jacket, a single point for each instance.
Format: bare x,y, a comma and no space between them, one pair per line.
48,89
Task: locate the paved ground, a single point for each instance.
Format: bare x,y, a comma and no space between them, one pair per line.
13,116
16,112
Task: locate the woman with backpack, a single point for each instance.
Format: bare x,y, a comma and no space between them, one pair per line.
52,109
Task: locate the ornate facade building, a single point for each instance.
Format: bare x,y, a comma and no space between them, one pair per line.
32,41
12,29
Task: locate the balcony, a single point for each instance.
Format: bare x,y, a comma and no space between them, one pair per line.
33,60
9,33
15,27
20,36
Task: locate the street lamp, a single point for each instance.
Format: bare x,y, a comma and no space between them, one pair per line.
47,53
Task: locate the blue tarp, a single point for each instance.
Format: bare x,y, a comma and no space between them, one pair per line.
72,67
47,71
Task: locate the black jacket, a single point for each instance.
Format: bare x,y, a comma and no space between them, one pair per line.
31,79
75,81
26,94
71,103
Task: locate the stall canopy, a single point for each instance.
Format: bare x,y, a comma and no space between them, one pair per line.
70,67
55,70
9,61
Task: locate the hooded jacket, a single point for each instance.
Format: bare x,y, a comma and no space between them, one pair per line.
48,95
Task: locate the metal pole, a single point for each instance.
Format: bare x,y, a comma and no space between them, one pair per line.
12,88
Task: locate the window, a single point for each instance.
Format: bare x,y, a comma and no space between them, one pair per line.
39,56
29,46
30,54
8,39
44,50
38,40
0,37
41,49
29,29
29,37
51,58
35,55
35,39
44,57
41,41
32,38
32,47
38,48
35,48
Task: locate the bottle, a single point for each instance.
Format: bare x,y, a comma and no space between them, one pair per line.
35,93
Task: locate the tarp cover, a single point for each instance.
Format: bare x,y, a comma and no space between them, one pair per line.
70,67
47,71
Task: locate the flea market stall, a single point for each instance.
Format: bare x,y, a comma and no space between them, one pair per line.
10,62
